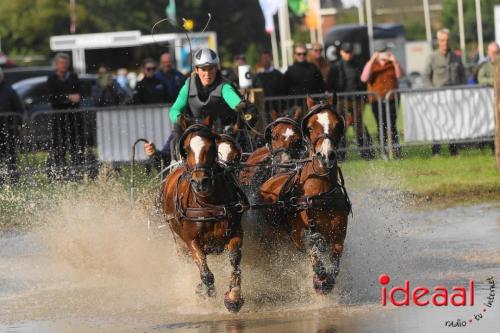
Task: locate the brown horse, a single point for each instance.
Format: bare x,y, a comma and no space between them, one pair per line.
203,205
229,150
312,199
284,143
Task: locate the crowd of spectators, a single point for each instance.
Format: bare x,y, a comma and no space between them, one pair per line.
310,73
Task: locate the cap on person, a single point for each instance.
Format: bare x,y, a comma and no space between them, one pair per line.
205,57
382,48
346,47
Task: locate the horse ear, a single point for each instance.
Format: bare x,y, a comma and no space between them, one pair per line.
332,99
310,102
183,123
297,115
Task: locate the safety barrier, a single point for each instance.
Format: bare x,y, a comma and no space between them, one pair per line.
458,114
68,143
351,105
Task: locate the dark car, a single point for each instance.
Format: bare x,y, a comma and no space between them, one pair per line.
34,95
16,74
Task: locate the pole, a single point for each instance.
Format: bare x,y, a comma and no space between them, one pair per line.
361,12
369,20
427,15
72,14
283,35
274,47
496,86
479,22
312,33
461,27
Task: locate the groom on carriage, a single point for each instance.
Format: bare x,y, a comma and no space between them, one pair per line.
206,94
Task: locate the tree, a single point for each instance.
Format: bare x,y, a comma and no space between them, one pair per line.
449,19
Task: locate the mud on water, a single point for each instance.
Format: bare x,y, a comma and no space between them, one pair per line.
90,264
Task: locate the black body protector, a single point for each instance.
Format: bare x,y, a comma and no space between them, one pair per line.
203,101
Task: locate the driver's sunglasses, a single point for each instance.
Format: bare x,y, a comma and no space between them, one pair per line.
300,53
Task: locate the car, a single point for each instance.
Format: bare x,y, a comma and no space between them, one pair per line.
34,93
34,96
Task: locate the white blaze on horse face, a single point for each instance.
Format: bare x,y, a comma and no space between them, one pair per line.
224,149
326,147
196,145
288,133
324,121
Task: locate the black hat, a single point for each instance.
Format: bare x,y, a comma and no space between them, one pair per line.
346,47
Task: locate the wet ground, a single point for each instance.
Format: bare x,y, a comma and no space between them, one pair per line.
91,265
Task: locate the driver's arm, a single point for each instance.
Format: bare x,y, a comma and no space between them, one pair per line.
179,104
230,96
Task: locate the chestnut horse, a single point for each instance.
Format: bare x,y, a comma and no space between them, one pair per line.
284,143
203,205
312,200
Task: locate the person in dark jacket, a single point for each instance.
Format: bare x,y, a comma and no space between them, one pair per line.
172,79
272,81
67,128
150,90
9,130
344,76
303,77
107,91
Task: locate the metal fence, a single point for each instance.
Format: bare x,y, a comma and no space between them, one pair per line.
350,105
68,144
456,115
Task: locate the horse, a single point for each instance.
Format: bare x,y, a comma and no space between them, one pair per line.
229,151
284,143
203,205
312,200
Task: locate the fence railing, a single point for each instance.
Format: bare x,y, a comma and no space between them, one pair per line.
68,143
457,114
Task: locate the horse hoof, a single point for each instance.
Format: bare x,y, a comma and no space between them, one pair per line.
205,292
323,286
231,304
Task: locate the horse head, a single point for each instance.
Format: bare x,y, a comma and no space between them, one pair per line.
186,120
228,149
284,139
198,149
323,128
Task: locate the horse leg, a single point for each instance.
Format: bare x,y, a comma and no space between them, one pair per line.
207,285
233,299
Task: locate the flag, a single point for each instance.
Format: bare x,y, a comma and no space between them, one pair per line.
298,7
269,8
312,15
170,11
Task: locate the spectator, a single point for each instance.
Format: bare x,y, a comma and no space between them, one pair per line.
486,71
272,81
67,128
444,68
344,76
9,130
382,73
122,78
150,90
108,91
316,58
172,79
303,77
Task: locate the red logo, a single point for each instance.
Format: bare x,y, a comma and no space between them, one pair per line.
422,296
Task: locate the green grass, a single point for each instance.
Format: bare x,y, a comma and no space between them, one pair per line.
470,177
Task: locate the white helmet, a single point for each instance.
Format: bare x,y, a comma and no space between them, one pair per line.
205,57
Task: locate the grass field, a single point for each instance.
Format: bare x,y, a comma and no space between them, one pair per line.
468,178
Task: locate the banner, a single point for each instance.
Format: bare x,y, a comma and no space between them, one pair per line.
118,129
451,114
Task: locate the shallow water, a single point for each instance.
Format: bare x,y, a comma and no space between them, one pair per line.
92,265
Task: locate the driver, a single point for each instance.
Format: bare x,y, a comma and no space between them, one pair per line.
206,92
